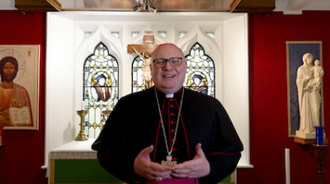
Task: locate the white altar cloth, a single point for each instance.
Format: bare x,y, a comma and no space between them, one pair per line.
74,150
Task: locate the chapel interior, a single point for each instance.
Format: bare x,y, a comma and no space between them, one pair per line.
247,39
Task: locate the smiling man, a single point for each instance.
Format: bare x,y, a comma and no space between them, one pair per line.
169,134
168,78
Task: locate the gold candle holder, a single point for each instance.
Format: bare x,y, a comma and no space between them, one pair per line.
81,136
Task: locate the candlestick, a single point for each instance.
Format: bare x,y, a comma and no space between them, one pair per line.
81,136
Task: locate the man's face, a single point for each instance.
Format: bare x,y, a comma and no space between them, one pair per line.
168,79
9,72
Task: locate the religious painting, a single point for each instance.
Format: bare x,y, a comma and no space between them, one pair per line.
19,87
304,86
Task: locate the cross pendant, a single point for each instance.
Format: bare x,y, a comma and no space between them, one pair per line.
169,161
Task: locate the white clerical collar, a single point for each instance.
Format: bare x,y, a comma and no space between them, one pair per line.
169,95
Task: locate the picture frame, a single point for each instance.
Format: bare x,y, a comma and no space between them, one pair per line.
295,51
19,87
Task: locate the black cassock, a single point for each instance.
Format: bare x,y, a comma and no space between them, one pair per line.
134,124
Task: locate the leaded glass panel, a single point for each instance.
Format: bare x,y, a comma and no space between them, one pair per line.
116,34
200,74
100,88
134,34
163,33
138,84
181,34
87,33
211,34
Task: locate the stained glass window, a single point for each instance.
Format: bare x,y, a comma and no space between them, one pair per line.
163,33
200,74
87,33
181,34
134,34
138,83
211,34
100,88
116,34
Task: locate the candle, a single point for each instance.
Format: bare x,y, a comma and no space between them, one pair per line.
82,105
287,165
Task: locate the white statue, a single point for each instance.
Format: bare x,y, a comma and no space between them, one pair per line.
309,82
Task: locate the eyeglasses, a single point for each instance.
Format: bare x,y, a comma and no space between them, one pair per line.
161,62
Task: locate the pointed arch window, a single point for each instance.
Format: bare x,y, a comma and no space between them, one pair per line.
138,84
200,75
100,88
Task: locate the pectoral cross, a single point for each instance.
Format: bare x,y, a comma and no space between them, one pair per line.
169,161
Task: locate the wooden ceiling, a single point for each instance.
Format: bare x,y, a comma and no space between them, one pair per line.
249,6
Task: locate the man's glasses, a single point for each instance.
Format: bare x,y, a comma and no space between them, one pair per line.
161,62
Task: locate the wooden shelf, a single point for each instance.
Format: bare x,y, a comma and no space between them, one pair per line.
37,5
317,151
308,141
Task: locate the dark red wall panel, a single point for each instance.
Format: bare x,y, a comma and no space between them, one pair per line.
24,151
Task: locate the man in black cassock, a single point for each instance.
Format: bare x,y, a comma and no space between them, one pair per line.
168,134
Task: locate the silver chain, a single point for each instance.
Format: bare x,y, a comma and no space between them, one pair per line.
169,152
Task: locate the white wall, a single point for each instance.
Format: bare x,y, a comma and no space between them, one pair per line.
67,50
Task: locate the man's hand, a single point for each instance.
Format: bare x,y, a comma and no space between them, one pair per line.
144,167
195,168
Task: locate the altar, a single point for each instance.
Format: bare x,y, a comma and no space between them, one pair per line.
75,162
